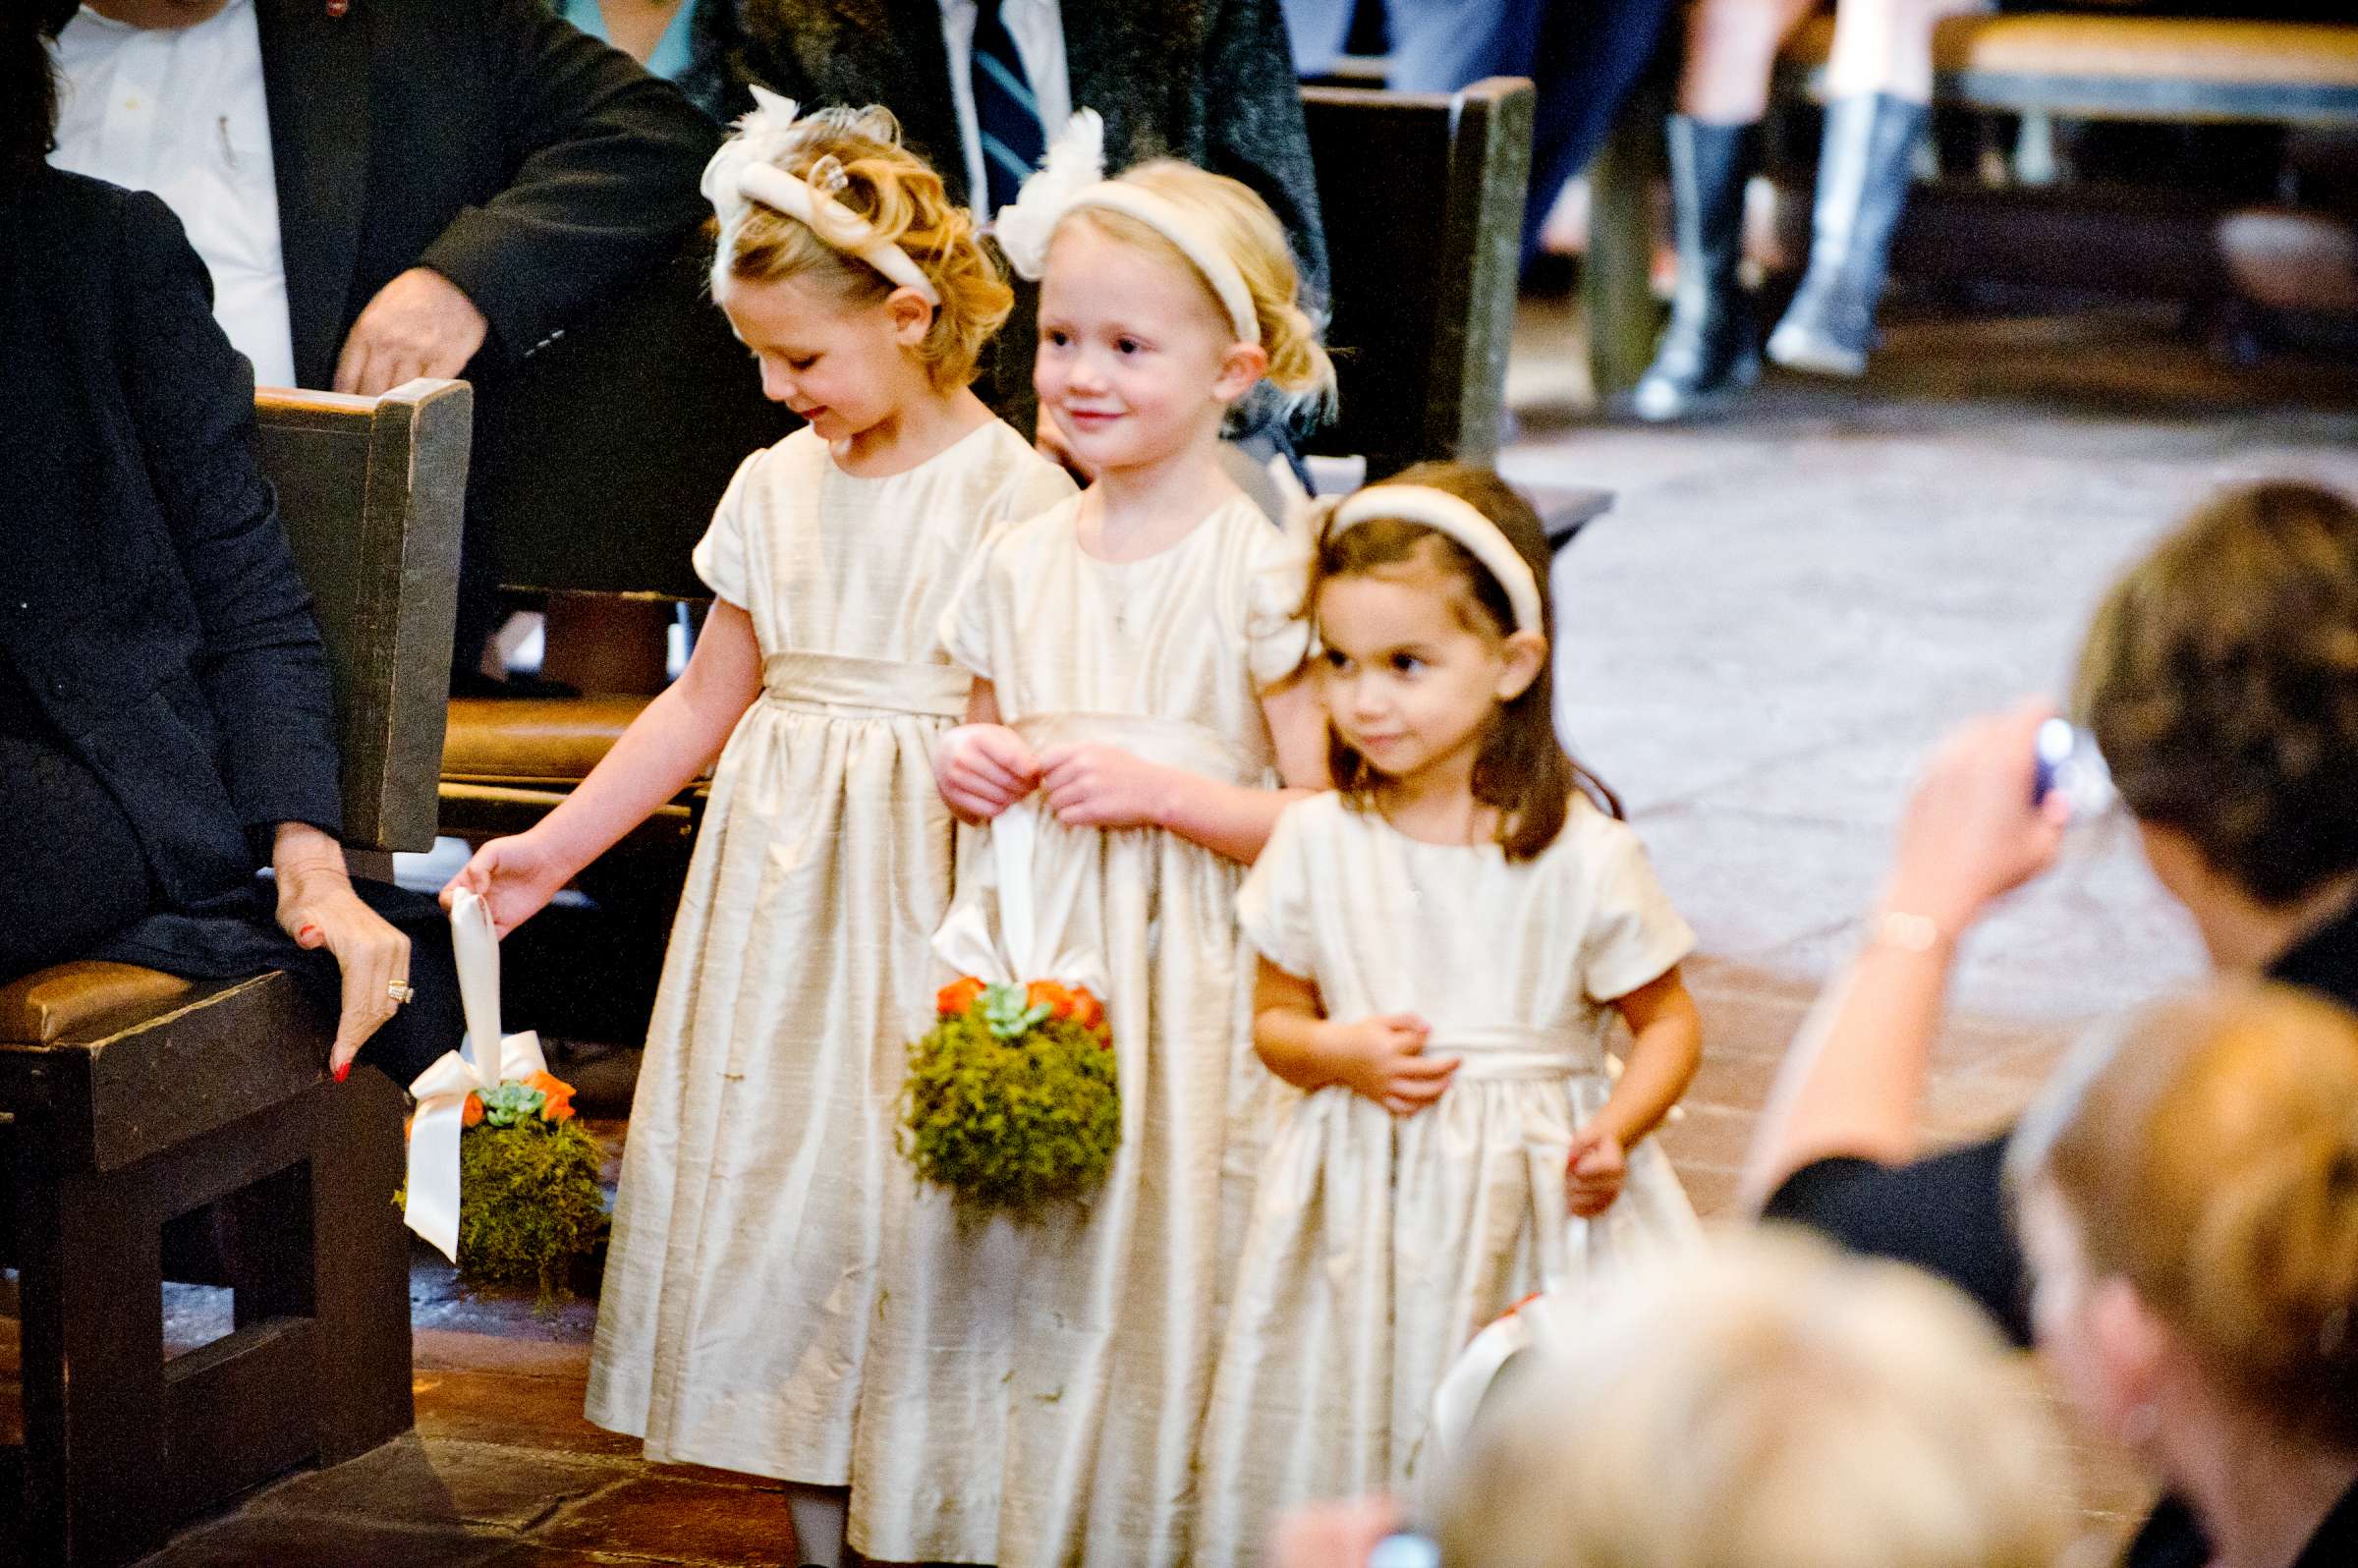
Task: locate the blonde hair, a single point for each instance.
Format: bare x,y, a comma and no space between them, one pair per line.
892,190
2206,1152
1247,234
1769,1404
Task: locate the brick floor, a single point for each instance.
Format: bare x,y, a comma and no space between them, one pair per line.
1781,611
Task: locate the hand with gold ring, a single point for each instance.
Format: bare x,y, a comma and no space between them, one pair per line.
317,906
400,990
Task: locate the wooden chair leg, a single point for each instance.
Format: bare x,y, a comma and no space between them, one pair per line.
91,1279
360,1282
1617,274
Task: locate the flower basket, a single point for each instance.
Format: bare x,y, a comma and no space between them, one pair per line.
1011,1100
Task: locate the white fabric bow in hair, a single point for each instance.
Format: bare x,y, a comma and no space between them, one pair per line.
431,1208
763,135
1075,161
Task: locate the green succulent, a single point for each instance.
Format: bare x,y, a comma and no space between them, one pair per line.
1009,1014
506,1105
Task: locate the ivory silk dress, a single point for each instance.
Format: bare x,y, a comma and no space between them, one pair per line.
1060,1365
742,1277
1379,1246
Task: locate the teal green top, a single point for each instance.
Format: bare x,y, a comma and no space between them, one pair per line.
672,51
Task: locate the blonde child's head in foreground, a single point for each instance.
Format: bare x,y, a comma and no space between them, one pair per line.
1425,671
2187,1188
840,342
1769,1404
1140,355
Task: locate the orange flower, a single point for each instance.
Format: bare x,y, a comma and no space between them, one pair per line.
1059,1002
1087,1011
558,1092
474,1112
953,999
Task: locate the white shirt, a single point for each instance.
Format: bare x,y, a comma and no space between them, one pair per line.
1038,28
181,111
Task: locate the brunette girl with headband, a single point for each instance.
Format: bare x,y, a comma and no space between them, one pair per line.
1134,712
1442,945
760,1186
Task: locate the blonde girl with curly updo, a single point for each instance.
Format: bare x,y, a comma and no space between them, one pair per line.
758,1183
1135,716
2187,1190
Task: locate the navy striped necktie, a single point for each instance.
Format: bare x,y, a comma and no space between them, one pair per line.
1006,114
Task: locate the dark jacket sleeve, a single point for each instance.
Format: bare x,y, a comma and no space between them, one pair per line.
1947,1215
262,666
1253,126
607,159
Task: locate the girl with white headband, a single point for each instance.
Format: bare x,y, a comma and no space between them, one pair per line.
1134,715
1443,944
760,1185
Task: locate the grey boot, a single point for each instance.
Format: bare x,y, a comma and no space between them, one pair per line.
1709,350
1863,173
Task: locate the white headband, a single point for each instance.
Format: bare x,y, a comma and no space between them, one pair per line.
1462,521
1073,176
746,168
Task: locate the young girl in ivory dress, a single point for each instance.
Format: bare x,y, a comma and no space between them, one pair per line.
742,1279
1442,945
1133,649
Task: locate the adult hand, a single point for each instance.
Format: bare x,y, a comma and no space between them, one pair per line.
1383,1060
981,769
1340,1535
1091,785
1972,831
1049,440
317,906
1593,1175
419,324
514,876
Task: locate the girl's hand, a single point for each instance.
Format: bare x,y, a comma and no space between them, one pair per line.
317,906
1972,832
981,769
1333,1535
515,877
1593,1175
1384,1059
1090,785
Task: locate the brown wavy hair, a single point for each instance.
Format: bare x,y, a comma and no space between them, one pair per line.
2220,679
893,190
1522,769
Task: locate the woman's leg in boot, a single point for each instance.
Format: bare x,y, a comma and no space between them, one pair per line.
1880,85
1709,350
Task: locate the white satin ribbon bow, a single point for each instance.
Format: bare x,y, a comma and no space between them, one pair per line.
432,1206
1030,941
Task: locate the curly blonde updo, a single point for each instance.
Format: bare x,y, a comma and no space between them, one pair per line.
1247,234
2220,679
892,190
2206,1151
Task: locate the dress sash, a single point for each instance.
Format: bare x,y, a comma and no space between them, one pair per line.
1506,1051
841,686
1173,743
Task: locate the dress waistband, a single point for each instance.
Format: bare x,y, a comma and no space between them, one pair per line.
1505,1051
836,683
1173,743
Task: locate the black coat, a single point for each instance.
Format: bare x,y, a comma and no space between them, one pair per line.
149,603
535,167
1211,82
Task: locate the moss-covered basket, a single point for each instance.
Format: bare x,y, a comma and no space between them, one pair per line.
530,1204
1011,1100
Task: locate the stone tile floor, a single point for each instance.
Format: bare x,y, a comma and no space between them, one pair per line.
1783,610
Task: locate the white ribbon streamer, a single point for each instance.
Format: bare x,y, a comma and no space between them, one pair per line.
1029,940
432,1205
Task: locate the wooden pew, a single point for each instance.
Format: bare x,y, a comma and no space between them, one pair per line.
130,1097
2167,69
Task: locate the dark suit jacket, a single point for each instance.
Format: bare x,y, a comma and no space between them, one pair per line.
535,167
1211,82
148,602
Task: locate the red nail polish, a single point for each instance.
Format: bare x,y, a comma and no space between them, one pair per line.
342,1071
308,933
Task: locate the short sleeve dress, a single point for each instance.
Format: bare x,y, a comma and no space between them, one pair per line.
1060,1365
1379,1246
741,1275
